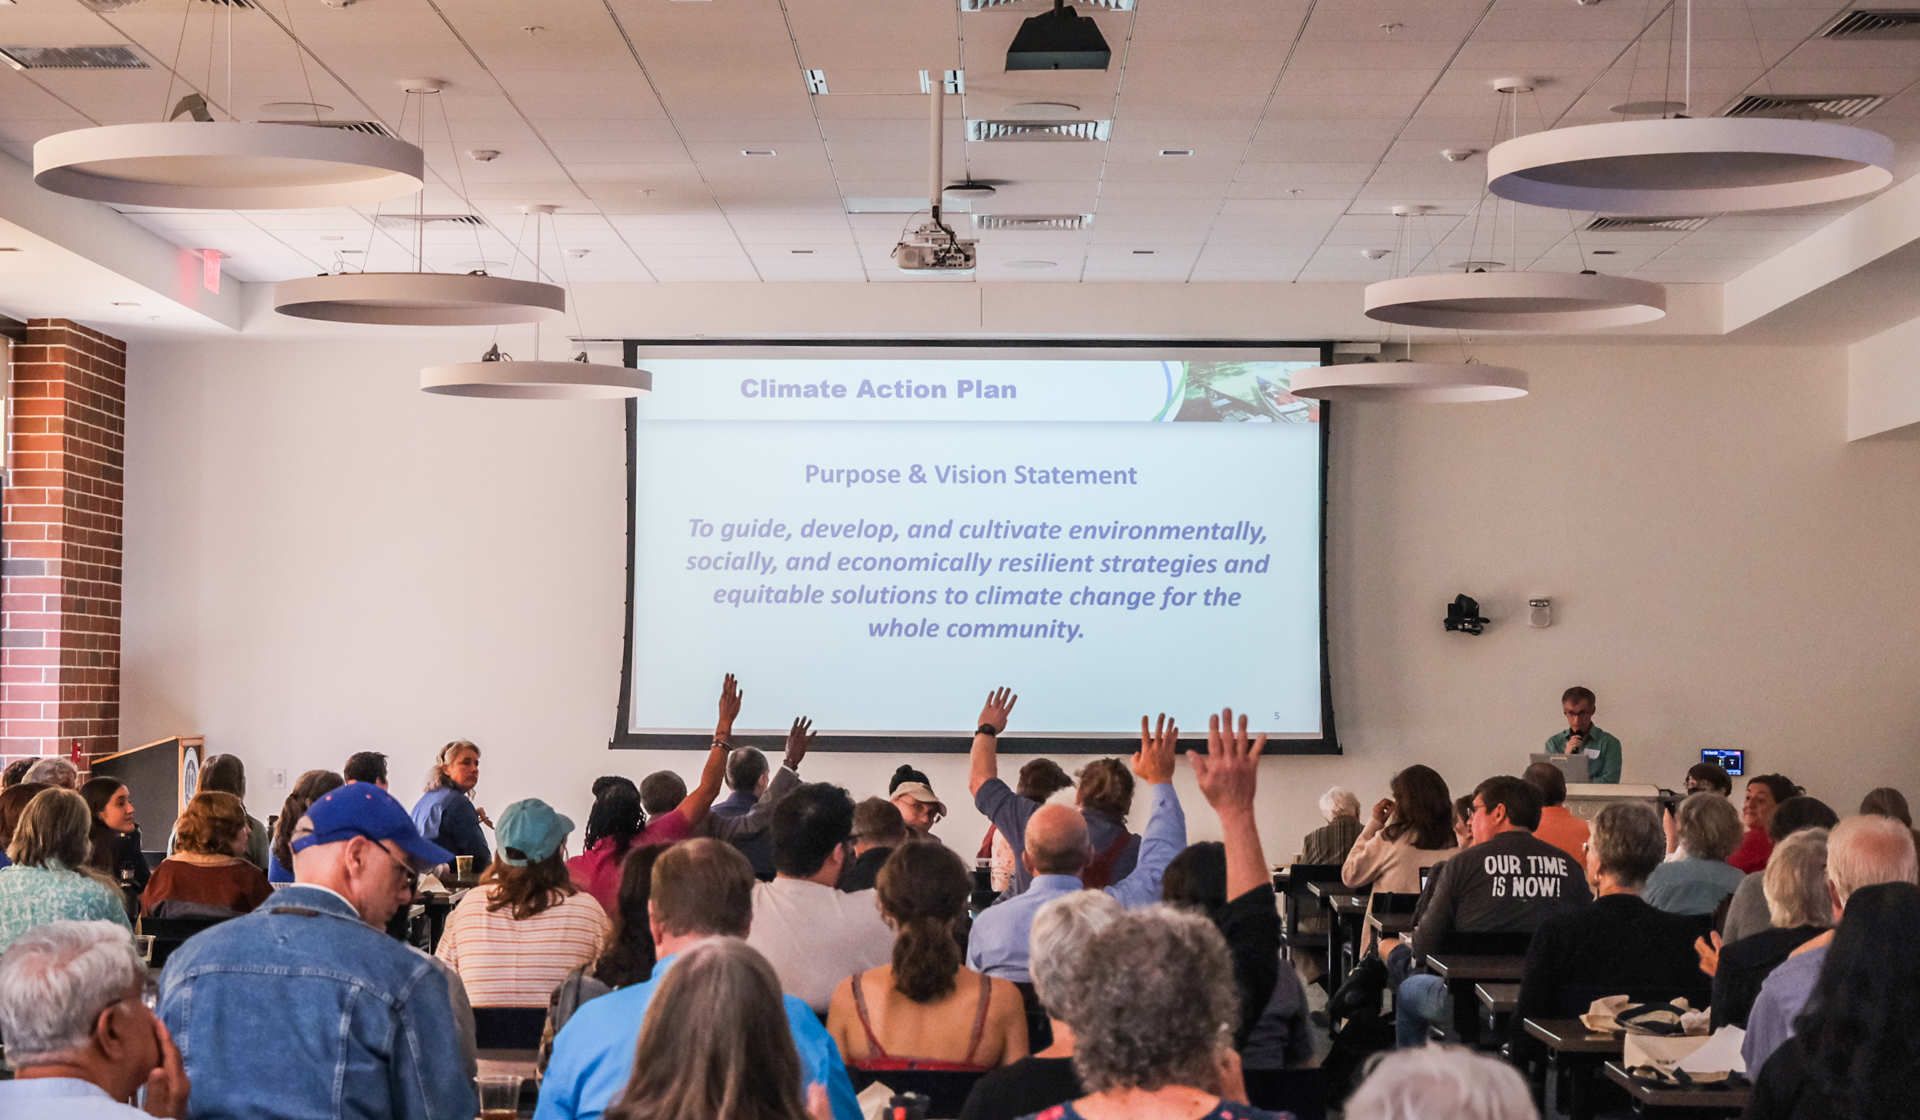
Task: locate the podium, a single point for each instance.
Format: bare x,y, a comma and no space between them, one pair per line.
162,777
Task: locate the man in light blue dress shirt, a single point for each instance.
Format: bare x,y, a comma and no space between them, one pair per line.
1057,847
702,888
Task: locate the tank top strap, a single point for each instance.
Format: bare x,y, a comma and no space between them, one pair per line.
874,1049
980,1016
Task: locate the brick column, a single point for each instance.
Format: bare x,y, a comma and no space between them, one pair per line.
60,580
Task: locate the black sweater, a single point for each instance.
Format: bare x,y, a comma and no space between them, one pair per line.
1618,945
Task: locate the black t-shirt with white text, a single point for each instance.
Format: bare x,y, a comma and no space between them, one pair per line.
1510,884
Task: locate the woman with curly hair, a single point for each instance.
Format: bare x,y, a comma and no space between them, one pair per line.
208,875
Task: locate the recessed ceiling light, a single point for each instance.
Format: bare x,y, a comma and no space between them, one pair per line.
758,152
331,237
1457,155
801,252
123,303
483,155
350,252
1031,264
1143,252
1176,151
1603,252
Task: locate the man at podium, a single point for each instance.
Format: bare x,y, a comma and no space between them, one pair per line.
1582,737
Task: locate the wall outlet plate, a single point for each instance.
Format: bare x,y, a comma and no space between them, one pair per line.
277,778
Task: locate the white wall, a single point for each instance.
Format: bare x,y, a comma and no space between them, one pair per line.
1883,382
320,559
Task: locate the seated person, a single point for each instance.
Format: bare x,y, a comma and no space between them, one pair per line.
1861,852
814,935
1104,797
1057,850
1153,1037
49,880
225,773
702,888
445,814
1617,944
1747,913
1039,780
1765,792
912,793
1331,842
1507,882
1855,1051
208,875
13,803
1698,882
925,1010
515,937
1796,890
627,957
115,836
1441,1083
748,776
1044,1079
1558,825
878,828
1409,833
312,786
80,1038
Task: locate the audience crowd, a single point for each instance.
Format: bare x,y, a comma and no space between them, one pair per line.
769,955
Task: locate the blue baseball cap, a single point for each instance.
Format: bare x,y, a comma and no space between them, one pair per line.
531,828
364,809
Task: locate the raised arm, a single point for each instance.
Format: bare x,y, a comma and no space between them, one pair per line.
786,778
1228,774
1166,832
985,760
696,804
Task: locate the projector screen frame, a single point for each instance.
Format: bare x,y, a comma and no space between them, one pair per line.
1326,743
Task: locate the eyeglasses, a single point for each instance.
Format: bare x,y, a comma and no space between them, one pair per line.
412,876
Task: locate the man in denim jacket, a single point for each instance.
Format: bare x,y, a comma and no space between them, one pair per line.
306,1008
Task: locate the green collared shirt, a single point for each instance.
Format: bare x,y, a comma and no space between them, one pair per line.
1603,754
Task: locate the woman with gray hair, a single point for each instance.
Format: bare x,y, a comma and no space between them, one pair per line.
50,880
1616,944
79,1034
1797,902
1441,1083
1153,1036
1042,1080
1709,832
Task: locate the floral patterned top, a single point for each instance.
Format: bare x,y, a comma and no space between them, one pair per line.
34,896
1225,1110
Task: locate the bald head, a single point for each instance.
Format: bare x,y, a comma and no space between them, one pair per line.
1057,842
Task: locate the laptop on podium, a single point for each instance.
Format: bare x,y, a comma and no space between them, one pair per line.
1572,767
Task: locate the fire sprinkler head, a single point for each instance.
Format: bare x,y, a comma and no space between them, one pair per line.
1457,155
1373,254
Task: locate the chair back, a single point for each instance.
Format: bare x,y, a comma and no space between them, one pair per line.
1389,902
1302,1092
508,1028
170,933
1299,899
945,1090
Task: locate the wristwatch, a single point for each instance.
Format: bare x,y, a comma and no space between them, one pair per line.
986,729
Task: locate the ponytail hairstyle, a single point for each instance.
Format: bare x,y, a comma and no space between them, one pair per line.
923,893
312,786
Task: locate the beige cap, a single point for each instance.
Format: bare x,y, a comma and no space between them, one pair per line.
919,792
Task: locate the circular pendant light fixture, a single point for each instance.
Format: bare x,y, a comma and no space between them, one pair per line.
419,299
1516,301
227,165
1691,166
498,376
1413,382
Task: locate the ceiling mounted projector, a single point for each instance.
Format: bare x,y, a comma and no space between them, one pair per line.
1058,40
934,247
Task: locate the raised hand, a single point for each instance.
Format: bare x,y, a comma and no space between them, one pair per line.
167,1086
1382,811
1153,763
730,697
1230,769
1709,953
800,740
998,707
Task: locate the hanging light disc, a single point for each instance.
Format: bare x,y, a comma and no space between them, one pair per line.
543,381
1414,382
1691,166
1516,301
419,299
227,165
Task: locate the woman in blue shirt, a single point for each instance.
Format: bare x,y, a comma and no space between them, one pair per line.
446,815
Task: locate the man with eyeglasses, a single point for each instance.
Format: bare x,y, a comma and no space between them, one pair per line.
79,1034
304,1007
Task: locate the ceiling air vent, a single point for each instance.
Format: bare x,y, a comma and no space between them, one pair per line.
1806,107
73,58
1042,131
1104,5
1643,225
408,221
1032,221
371,128
1871,23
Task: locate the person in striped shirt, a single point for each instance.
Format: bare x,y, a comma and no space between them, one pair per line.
515,937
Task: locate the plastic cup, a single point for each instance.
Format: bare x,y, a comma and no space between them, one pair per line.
500,1096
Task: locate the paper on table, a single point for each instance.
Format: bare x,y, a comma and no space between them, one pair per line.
1720,1054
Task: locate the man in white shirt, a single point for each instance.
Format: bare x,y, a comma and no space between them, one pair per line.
79,1036
813,934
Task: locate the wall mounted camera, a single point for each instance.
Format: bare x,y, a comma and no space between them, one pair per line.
1463,614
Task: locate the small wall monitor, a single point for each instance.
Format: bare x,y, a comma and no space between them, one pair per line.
1733,762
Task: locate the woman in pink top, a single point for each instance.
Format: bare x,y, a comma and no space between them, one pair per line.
1410,830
